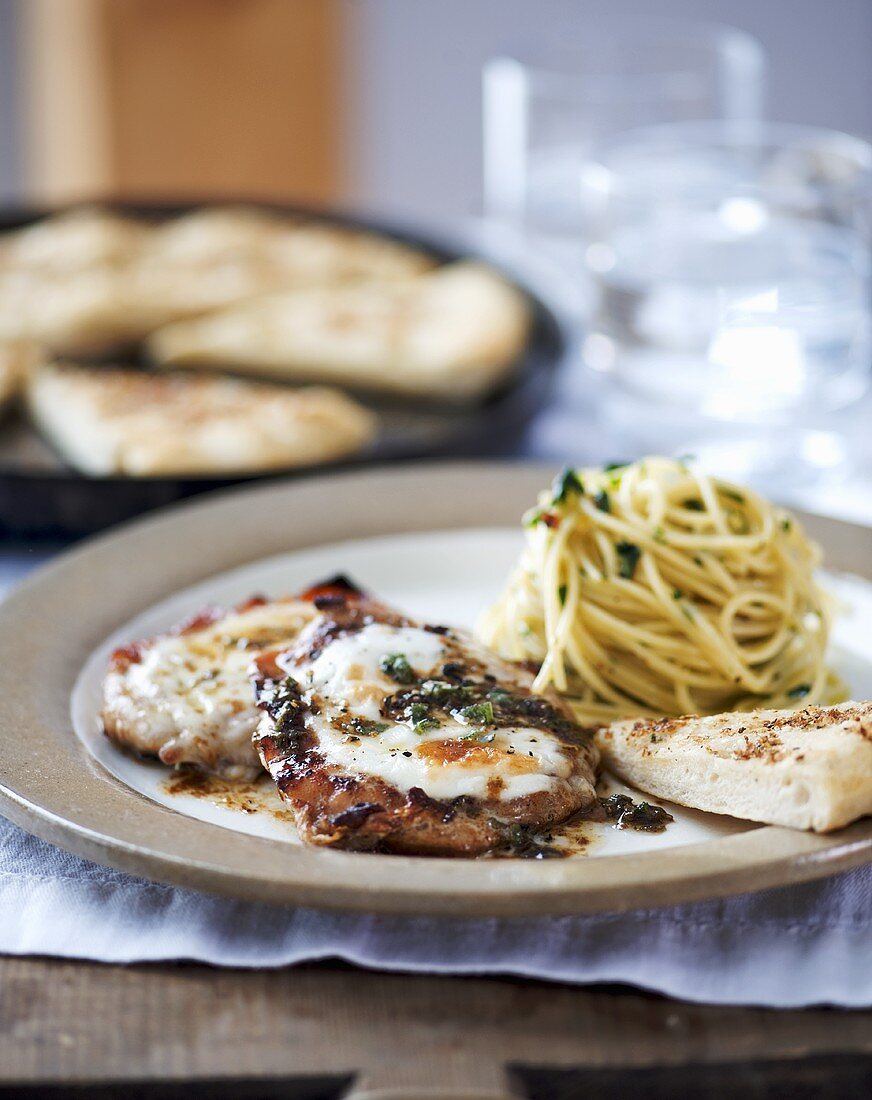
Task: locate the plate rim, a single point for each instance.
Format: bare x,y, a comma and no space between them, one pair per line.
50,784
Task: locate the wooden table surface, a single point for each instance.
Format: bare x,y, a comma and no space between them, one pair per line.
329,1030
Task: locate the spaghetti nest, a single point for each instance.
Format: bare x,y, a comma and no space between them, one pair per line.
653,589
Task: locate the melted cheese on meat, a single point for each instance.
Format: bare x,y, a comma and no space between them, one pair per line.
346,681
189,698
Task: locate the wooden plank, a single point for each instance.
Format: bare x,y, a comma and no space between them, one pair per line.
206,97
824,1077
85,1022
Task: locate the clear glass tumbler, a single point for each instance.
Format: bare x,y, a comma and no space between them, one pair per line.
731,263
546,107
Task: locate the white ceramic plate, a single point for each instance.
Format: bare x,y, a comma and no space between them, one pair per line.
440,576
441,559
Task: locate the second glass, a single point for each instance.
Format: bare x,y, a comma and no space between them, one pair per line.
547,106
732,267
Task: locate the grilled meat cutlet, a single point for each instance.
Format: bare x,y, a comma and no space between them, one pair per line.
387,734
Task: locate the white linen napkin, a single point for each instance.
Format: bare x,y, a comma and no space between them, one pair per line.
783,948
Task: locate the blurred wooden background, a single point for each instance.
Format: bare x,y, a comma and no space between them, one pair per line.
374,103
182,97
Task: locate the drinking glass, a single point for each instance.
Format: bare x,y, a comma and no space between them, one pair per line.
545,108
731,263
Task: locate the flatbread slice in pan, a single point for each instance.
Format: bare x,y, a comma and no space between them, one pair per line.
80,314
72,241
216,258
62,281
88,283
298,251
454,334
807,769
111,421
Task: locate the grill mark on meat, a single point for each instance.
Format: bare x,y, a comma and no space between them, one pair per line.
338,585
349,614
356,815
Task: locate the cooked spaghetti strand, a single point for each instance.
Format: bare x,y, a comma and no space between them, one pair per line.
653,588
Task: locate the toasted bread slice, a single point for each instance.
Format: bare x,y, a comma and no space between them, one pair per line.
807,769
89,282
80,313
73,241
215,258
315,254
62,281
106,421
301,251
454,333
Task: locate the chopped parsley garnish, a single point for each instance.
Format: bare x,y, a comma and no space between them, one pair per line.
732,494
677,593
365,727
523,841
438,690
478,705
786,524
499,696
601,500
628,558
566,483
398,668
799,692
480,714
609,466
420,718
627,814
561,594
694,505
286,706
659,534
737,522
